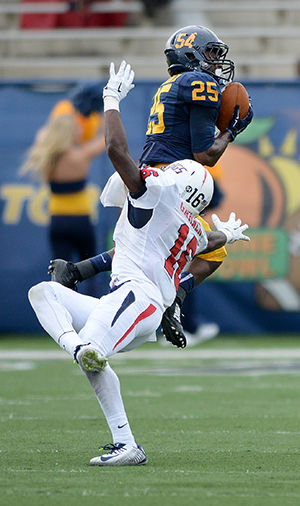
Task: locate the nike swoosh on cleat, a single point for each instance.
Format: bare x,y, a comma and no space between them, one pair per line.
103,458
121,426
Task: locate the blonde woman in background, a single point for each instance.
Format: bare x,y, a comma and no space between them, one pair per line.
59,158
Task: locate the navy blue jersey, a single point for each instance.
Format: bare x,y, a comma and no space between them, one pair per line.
182,118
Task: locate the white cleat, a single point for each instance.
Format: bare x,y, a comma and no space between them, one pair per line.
121,454
89,359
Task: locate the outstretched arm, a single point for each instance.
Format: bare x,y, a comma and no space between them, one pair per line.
115,136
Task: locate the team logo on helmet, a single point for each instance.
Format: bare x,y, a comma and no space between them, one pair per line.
198,48
194,183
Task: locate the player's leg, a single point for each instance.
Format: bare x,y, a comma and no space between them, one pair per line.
124,450
60,238
86,243
61,312
122,319
86,246
106,386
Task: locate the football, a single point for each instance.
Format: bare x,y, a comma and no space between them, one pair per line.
234,94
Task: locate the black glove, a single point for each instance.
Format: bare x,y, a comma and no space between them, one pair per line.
68,273
65,273
171,323
237,125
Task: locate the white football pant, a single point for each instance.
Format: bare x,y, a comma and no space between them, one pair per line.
119,321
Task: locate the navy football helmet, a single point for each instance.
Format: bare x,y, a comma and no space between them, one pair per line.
198,48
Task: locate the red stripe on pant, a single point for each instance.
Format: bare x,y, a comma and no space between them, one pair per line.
148,312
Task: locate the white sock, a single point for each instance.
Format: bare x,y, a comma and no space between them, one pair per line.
53,316
106,386
68,340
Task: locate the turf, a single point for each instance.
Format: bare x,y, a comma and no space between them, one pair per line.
217,431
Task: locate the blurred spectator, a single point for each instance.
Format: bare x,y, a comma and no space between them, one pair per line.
86,104
61,156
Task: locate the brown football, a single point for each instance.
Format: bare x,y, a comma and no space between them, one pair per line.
234,94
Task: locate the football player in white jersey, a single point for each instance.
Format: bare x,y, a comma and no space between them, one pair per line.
155,237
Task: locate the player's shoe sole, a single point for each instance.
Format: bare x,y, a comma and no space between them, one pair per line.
90,360
121,454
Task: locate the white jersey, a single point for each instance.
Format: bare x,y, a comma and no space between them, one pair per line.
155,237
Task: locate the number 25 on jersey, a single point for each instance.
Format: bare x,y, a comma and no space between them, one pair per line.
200,90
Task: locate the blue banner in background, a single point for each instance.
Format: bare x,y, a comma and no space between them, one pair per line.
255,291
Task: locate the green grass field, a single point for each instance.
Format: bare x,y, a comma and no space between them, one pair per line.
220,424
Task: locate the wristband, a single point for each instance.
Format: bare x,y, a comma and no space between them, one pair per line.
111,103
101,262
231,133
187,281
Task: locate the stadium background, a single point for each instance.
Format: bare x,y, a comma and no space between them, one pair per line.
219,422
257,290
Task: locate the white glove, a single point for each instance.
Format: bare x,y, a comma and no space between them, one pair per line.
119,84
233,229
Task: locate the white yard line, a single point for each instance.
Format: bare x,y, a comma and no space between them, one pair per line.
163,354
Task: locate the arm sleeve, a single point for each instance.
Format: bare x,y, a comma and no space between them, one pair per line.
101,262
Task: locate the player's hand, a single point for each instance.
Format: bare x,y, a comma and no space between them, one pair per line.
238,125
171,325
232,228
65,273
121,83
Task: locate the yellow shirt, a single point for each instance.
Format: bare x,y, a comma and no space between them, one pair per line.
70,204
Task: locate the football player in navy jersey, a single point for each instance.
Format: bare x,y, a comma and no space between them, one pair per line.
181,125
185,108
